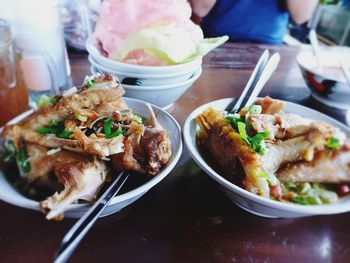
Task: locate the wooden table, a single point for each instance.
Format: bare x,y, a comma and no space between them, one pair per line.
186,218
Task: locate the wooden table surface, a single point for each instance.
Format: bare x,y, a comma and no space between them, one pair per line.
186,218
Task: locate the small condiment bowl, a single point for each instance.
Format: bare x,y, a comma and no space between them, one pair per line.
326,80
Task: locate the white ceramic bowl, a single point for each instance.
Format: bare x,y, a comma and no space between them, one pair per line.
249,201
161,95
326,82
137,69
10,195
143,79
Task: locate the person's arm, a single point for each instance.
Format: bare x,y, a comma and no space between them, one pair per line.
202,7
301,10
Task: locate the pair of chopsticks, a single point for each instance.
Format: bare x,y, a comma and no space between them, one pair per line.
261,74
82,226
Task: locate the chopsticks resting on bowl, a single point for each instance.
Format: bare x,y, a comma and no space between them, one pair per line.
261,74
81,227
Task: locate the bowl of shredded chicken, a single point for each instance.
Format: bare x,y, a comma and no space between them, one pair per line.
66,152
274,158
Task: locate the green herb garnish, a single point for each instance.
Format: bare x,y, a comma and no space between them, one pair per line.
234,119
108,129
90,84
333,143
8,152
271,178
64,134
80,117
45,101
258,143
242,132
138,119
22,159
53,100
310,193
255,109
55,127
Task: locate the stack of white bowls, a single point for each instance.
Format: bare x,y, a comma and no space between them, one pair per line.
160,85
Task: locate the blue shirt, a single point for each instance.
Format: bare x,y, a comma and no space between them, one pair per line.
261,21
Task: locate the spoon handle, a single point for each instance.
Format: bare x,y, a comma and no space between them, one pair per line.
267,72
345,69
315,46
251,82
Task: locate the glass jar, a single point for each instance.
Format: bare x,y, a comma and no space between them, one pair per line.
13,91
38,33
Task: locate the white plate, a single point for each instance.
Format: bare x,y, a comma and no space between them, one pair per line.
10,195
249,201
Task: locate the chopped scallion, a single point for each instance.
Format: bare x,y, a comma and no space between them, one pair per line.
138,119
55,127
258,143
90,83
255,109
108,129
242,132
333,143
80,117
22,159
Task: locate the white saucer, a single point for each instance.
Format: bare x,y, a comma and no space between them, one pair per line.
337,105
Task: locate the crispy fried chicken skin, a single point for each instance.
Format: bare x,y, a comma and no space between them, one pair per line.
147,149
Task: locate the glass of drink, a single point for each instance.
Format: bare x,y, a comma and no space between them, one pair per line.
13,91
38,33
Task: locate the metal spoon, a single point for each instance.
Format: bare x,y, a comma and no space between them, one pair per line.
265,75
345,70
315,46
261,74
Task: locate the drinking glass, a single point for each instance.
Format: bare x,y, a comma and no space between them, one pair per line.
38,34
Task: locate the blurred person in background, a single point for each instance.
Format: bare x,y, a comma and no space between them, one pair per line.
257,21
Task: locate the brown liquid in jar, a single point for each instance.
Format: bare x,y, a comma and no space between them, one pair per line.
13,91
13,100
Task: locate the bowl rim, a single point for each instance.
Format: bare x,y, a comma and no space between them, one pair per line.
97,65
307,51
34,205
333,208
175,85
94,52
